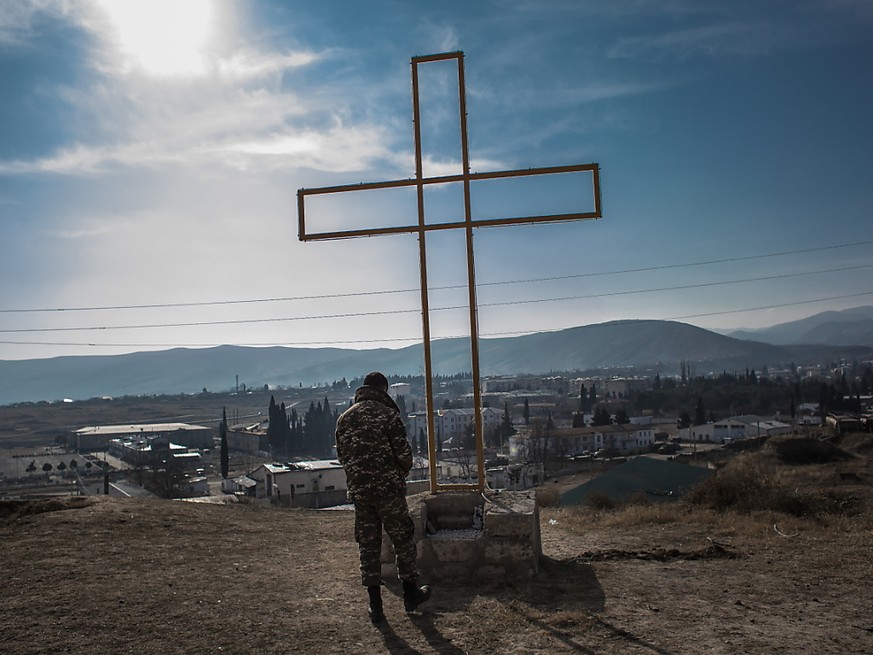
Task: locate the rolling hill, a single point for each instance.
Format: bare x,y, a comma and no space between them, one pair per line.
618,344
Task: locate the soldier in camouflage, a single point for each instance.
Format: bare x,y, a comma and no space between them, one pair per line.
372,447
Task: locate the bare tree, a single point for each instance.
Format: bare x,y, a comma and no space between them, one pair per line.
165,478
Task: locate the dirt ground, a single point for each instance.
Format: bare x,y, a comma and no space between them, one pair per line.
106,575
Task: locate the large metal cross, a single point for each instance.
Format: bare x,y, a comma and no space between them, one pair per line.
468,222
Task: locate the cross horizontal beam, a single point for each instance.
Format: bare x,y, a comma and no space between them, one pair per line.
594,169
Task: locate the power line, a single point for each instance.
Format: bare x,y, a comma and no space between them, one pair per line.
217,303
252,321
699,285
418,338
239,321
662,267
213,303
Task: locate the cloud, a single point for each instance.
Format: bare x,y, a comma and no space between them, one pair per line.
86,229
745,30
442,36
249,126
720,39
597,91
233,113
338,149
856,9
19,19
77,159
249,64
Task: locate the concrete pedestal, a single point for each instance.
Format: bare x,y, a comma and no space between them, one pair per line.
468,536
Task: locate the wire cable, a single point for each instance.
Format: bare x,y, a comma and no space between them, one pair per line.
417,339
387,312
215,303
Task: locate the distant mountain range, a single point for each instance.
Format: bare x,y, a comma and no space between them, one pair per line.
849,327
613,345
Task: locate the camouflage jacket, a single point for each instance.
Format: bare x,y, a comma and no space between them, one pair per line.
372,447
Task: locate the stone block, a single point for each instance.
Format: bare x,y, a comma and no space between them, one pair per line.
502,551
508,547
489,573
455,550
519,526
448,571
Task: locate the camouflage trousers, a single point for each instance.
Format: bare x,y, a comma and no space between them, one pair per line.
371,515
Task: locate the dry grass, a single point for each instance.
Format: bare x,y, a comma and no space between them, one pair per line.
791,486
799,477
548,497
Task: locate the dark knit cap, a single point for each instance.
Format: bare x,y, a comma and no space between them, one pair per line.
376,380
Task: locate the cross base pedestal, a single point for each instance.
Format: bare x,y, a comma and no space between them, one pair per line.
464,536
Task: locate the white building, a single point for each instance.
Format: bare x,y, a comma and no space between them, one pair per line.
515,476
248,439
451,424
625,438
154,451
98,437
400,389
718,432
507,383
737,427
758,427
318,483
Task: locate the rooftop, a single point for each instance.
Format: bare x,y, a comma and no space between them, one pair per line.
137,428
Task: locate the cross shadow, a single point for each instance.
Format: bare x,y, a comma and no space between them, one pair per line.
571,642
434,637
557,583
559,586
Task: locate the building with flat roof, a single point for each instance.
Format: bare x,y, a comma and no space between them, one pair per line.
316,483
451,424
98,437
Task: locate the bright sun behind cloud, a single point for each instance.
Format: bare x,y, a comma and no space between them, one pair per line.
162,37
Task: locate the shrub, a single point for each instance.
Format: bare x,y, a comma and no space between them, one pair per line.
743,485
599,501
548,497
807,451
826,503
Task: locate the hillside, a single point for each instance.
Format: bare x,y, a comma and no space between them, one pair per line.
618,344
848,327
108,576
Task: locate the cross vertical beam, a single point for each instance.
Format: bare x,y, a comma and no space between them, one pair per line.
471,268
421,228
422,265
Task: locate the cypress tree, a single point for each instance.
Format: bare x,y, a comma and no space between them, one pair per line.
222,432
506,429
273,426
699,412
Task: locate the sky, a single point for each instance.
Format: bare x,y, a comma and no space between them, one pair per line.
151,153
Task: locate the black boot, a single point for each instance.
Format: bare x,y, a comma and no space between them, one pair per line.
413,595
375,609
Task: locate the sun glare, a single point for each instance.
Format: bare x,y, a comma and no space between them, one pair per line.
162,37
